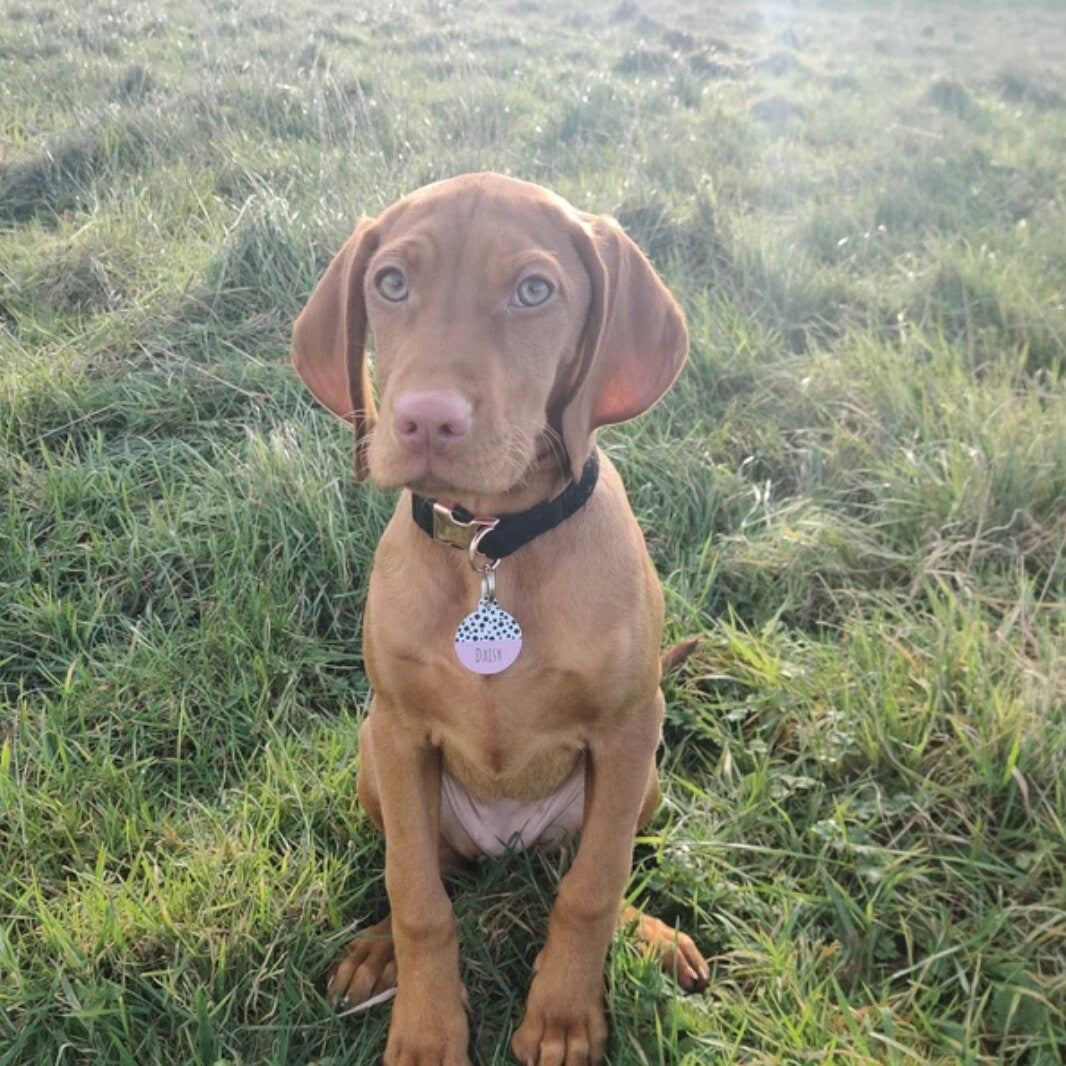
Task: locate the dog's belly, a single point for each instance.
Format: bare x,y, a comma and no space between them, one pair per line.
476,826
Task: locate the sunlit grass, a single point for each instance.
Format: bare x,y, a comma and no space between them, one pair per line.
853,495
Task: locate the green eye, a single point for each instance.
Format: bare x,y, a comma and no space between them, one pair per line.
533,291
392,285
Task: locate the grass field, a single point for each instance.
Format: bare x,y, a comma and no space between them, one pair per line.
856,495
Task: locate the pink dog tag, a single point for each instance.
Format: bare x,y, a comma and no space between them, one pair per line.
488,639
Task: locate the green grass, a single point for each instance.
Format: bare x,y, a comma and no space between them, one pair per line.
854,495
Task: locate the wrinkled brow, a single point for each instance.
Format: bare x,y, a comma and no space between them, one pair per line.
412,248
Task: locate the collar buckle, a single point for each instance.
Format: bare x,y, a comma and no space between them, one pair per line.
459,528
456,531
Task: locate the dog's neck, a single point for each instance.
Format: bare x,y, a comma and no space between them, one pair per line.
542,480
497,533
538,485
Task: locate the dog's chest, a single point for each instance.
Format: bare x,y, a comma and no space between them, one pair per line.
516,733
516,739
588,650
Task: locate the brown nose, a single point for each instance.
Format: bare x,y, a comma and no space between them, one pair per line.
430,419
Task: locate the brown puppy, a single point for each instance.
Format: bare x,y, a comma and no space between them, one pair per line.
507,327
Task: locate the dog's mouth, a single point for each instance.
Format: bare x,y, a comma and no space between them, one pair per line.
441,479
455,477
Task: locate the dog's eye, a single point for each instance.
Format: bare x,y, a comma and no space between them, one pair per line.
533,291
392,285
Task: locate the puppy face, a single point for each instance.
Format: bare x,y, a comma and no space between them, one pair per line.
477,305
507,328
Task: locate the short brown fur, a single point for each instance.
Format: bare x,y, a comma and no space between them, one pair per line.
539,383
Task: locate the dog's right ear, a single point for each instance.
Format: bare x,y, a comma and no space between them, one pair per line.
635,339
329,340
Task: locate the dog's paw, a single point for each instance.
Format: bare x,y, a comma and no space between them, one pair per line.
366,968
428,1031
676,951
559,1028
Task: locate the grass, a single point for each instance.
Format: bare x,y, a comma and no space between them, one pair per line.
854,495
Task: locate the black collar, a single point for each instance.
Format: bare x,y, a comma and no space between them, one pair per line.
500,535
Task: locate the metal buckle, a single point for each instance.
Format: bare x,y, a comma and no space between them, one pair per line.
454,531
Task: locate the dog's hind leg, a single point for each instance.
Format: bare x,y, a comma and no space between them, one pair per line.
676,951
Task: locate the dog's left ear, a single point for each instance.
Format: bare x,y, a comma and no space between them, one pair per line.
329,340
635,340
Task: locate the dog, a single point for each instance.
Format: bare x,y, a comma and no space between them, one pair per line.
513,617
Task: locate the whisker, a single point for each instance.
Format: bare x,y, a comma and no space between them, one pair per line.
556,448
517,446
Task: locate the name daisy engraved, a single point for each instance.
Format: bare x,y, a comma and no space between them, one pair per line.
488,639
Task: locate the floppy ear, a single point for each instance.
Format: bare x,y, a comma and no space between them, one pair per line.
329,340
634,343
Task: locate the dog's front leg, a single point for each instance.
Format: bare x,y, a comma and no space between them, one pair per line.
428,1016
564,1020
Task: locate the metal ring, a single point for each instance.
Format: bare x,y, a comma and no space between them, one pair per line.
474,550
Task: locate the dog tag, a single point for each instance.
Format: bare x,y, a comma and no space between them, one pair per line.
488,639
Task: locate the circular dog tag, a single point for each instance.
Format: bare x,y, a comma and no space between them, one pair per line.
488,639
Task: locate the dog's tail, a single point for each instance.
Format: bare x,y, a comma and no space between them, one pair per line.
673,657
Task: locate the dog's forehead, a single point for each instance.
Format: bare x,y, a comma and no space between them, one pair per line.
482,206
495,189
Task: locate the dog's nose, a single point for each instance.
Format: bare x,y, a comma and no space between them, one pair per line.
433,419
